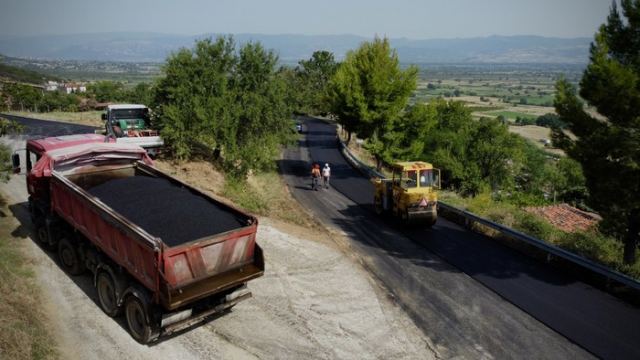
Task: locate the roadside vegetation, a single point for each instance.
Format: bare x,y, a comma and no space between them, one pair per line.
496,173
6,127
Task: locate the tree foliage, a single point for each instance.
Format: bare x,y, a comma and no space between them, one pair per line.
315,75
369,92
608,146
25,97
233,102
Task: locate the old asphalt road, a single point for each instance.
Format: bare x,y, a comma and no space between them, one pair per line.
474,298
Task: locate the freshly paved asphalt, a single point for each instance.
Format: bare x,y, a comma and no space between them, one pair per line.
34,128
474,297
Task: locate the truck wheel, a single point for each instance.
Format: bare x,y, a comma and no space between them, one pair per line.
138,320
107,294
377,205
404,215
42,235
69,257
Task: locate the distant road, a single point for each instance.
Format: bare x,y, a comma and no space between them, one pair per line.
43,128
468,293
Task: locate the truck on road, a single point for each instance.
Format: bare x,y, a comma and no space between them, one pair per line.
410,193
160,251
131,124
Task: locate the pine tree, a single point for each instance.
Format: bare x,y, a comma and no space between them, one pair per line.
608,143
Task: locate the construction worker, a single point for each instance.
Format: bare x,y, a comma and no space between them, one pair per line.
326,174
315,176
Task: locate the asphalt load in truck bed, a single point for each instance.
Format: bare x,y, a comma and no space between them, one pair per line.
172,213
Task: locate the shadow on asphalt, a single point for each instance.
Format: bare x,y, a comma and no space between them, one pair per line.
84,281
471,253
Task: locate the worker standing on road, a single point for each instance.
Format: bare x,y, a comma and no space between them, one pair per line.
326,174
315,176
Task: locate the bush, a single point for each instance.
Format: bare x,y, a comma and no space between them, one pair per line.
551,121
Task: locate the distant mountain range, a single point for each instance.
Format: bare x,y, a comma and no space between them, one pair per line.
153,47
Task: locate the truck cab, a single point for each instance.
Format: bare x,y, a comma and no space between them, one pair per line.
410,193
131,124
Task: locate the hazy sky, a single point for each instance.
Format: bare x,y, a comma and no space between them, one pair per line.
393,18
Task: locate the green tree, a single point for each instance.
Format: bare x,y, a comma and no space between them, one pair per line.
234,103
140,94
608,146
447,144
493,150
550,121
345,97
372,90
105,91
315,75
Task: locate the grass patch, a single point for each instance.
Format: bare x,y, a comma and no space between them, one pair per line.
266,194
23,334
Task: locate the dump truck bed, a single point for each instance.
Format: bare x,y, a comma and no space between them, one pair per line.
180,243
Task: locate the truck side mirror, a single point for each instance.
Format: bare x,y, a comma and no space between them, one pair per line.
15,161
103,116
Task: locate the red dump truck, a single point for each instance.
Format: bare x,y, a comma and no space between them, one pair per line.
161,252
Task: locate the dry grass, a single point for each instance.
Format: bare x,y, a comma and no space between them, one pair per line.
23,333
90,118
536,133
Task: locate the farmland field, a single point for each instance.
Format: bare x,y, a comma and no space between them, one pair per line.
523,91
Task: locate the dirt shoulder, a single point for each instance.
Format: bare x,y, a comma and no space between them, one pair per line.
24,330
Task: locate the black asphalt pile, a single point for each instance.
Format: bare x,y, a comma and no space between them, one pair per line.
164,210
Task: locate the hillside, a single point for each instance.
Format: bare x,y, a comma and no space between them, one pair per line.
12,73
153,47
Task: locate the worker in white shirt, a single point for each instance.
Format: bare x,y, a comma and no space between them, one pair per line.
326,174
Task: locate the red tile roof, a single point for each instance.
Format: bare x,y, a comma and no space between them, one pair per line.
566,217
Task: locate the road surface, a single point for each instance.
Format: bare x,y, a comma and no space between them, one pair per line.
471,295
312,303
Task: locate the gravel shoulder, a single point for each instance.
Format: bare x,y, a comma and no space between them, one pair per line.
313,302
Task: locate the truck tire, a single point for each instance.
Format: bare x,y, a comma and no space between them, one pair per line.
377,205
42,235
404,216
138,320
107,297
69,257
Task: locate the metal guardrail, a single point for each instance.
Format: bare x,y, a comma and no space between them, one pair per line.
548,249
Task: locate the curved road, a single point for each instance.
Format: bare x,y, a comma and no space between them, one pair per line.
472,296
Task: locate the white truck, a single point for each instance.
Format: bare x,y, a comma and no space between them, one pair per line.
131,124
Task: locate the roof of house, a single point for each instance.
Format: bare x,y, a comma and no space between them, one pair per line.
565,217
